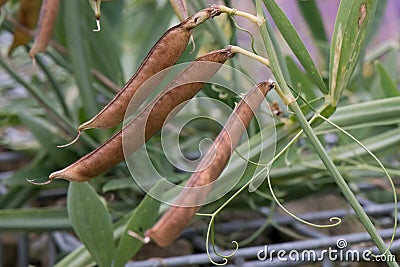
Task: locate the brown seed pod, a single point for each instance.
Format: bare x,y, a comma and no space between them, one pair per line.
176,219
148,122
27,17
180,8
163,54
47,19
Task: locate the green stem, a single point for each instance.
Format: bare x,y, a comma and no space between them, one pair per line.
53,83
36,94
319,149
64,123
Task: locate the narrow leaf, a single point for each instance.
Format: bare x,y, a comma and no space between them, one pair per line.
76,46
91,222
40,219
300,80
313,18
295,43
81,257
48,136
351,28
143,217
388,86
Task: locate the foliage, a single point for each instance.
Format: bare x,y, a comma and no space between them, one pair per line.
65,88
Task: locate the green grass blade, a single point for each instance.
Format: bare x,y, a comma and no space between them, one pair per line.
40,219
54,84
295,43
81,257
143,218
278,51
312,16
371,113
299,80
388,86
351,26
76,47
48,136
91,222
103,44
17,197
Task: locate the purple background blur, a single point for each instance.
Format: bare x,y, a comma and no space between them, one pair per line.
389,29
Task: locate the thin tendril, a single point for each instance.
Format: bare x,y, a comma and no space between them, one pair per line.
384,170
246,31
317,114
210,236
282,207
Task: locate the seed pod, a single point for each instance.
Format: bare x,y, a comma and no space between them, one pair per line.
47,19
180,8
164,54
175,220
27,16
148,122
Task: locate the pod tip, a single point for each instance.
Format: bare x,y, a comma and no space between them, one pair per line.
271,83
144,240
72,142
98,25
32,181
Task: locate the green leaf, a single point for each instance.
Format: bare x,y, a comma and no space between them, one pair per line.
371,113
351,26
143,217
40,219
300,80
312,16
91,222
48,136
76,45
81,257
118,184
105,51
17,197
295,43
388,86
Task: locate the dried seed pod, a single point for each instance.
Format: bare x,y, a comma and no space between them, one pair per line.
175,220
27,16
180,8
164,54
148,122
47,19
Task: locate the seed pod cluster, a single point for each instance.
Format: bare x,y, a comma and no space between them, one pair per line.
164,54
149,121
177,217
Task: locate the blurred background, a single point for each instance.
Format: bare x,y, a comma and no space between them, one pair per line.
42,104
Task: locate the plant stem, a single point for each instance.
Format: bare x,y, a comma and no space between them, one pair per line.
237,49
319,149
232,11
53,83
64,123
